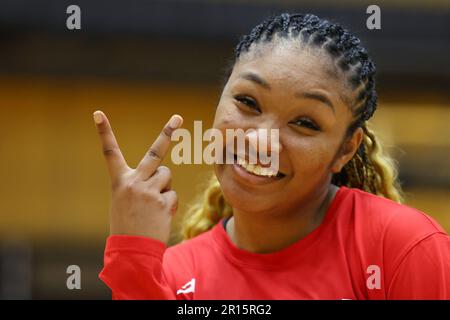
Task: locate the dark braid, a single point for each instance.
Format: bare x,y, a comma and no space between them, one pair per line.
352,59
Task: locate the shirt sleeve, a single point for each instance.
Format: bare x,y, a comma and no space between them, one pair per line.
424,272
133,268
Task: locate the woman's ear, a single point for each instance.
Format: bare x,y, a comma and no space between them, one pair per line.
348,150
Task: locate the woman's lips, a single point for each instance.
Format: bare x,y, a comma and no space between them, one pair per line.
250,178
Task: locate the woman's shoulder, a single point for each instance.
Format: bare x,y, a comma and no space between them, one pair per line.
378,209
385,221
389,234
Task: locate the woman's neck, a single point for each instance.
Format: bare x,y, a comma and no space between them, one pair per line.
273,232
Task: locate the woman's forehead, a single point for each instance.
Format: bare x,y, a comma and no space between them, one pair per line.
301,69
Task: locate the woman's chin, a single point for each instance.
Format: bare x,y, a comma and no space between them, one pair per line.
246,203
243,196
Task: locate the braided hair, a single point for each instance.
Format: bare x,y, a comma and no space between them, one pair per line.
369,169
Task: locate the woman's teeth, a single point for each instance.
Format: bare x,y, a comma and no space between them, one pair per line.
256,169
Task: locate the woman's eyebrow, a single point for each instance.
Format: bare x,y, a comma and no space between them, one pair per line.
304,95
316,96
255,78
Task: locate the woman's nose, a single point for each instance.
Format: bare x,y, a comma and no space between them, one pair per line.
263,140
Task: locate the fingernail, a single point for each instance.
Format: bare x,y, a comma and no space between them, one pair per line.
98,117
175,122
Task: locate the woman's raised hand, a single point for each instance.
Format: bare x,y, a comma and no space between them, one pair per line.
142,202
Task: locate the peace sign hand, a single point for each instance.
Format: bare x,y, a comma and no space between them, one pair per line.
142,202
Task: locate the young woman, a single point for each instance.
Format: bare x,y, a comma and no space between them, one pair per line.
329,225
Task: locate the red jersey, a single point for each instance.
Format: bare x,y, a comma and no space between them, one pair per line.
367,247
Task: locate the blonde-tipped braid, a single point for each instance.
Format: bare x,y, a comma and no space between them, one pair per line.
206,212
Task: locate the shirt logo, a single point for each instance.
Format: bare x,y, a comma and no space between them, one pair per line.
188,287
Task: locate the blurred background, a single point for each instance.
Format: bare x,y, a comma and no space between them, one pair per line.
140,62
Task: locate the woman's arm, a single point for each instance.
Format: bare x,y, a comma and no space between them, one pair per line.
142,207
133,268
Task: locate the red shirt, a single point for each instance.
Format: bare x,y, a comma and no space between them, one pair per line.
367,247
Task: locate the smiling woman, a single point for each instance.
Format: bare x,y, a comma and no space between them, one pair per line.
331,221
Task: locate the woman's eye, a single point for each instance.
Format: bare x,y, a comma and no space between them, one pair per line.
248,102
306,123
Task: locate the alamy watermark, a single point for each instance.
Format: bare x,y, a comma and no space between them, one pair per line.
374,20
74,280
74,19
254,146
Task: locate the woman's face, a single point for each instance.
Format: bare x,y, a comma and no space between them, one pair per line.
294,91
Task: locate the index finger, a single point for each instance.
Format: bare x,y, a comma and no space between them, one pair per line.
159,148
114,159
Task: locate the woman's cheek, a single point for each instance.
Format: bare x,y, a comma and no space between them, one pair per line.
229,118
226,118
310,156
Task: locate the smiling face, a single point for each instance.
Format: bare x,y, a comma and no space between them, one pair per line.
298,92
